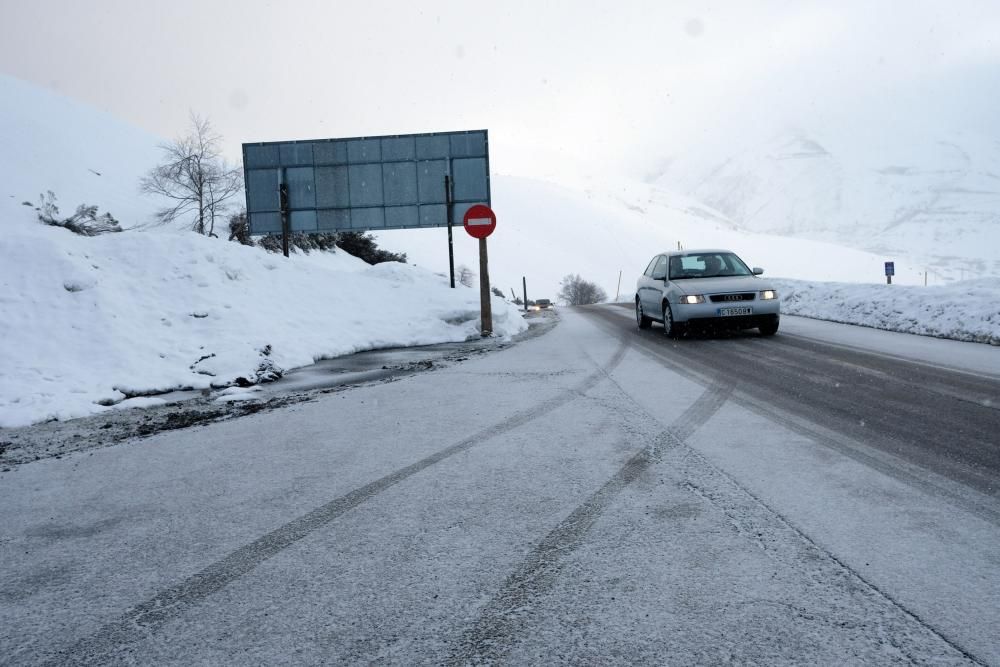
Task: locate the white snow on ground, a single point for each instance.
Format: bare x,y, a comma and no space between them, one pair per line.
91,321
967,310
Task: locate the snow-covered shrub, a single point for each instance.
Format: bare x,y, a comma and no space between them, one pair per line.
363,246
84,222
239,228
300,241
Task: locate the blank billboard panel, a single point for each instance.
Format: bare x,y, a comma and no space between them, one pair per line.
262,190
392,182
470,179
330,220
399,183
301,187
331,188
365,183
302,221
296,154
330,152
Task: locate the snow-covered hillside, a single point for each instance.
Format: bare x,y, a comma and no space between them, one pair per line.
90,322
933,200
84,156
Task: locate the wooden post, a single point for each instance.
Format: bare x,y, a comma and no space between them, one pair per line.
484,290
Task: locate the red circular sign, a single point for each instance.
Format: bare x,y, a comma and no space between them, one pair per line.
480,221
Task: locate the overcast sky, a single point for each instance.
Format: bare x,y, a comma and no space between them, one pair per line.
593,84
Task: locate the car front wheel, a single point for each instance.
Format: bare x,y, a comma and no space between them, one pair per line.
670,328
770,328
640,317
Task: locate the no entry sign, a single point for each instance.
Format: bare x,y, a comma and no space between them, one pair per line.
480,221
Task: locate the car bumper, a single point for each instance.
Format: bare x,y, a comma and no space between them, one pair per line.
709,313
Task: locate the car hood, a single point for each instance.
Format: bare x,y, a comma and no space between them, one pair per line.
721,284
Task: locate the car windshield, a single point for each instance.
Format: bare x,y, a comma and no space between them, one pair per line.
707,265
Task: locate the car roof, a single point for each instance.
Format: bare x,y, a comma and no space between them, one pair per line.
696,251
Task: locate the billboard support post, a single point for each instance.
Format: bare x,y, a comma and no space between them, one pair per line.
283,199
451,246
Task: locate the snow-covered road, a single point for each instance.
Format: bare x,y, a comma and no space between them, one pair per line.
581,497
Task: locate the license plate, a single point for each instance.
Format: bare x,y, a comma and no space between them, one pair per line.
727,312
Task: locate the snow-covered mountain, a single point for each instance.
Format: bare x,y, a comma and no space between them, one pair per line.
935,200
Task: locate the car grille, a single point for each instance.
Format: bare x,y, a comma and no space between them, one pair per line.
727,298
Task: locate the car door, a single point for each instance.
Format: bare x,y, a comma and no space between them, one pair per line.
642,284
651,296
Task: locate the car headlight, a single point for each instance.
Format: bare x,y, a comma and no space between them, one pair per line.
693,298
768,294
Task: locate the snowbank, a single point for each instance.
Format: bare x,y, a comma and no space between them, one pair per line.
90,322
967,310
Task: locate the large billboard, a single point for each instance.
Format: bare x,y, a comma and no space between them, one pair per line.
366,183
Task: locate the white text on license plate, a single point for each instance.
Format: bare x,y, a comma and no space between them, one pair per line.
744,310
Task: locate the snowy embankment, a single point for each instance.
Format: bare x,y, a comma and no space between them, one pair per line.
90,322
967,310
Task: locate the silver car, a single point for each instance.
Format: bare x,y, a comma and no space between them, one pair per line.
710,288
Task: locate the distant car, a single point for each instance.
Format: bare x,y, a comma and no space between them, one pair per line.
540,304
709,288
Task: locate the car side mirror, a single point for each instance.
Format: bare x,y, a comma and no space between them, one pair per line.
757,270
659,276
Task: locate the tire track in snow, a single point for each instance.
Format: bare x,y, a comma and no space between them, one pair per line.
145,619
508,612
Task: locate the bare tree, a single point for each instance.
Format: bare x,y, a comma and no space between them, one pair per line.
576,291
194,177
465,275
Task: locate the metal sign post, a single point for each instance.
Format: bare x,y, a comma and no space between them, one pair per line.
448,212
283,203
890,271
480,221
